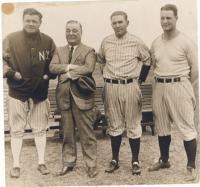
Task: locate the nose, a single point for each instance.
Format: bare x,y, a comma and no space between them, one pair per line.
71,32
31,23
164,20
117,24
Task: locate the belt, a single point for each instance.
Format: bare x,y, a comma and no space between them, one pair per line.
124,81
168,80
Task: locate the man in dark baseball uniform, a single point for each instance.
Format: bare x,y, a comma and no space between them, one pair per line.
175,67
121,56
26,57
73,63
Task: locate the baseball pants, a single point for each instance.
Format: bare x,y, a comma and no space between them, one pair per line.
123,109
22,113
174,103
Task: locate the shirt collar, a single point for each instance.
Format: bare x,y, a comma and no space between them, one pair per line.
74,47
123,37
33,36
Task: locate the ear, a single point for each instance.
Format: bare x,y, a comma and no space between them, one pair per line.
40,22
127,22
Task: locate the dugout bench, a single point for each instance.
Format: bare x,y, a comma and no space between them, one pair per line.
100,123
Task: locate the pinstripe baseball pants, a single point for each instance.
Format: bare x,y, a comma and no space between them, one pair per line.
174,103
22,113
122,104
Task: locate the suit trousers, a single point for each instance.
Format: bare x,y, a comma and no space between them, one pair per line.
83,120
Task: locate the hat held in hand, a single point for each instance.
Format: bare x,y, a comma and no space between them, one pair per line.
86,83
83,87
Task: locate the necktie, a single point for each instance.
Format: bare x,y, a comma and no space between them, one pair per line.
70,54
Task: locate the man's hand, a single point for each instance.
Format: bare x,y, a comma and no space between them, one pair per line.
17,76
63,78
45,77
73,66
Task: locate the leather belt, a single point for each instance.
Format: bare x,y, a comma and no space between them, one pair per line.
114,81
168,80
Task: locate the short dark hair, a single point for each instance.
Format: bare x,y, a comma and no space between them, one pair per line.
116,13
74,21
32,11
170,7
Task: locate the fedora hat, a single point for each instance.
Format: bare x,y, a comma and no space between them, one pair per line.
83,87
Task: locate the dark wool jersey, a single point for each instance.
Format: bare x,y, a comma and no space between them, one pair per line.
30,55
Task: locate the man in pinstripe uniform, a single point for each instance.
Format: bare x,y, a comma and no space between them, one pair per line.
120,57
175,68
26,57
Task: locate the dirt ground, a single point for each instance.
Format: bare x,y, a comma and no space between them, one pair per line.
30,177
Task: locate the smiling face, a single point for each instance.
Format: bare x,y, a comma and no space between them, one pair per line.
31,23
119,25
73,33
168,20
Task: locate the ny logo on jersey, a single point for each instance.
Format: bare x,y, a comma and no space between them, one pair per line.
44,55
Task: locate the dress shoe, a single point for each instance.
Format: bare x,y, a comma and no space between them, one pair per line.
92,172
136,168
65,170
112,166
159,165
43,169
15,172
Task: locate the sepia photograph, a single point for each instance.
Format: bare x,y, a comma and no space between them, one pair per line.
100,93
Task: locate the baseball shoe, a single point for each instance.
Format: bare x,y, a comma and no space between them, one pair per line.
92,172
15,172
159,165
191,174
113,165
136,168
43,169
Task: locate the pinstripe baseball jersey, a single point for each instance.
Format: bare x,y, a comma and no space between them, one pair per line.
173,57
174,102
122,56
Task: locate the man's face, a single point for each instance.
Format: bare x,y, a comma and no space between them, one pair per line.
73,33
119,25
168,20
31,23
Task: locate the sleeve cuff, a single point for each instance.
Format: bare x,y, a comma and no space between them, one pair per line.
10,74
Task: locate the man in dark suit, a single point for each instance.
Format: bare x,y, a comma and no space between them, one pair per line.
73,63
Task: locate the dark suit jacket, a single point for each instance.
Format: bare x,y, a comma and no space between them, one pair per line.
85,58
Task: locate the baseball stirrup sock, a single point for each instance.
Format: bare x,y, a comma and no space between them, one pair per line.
40,142
115,145
191,149
164,144
135,148
16,146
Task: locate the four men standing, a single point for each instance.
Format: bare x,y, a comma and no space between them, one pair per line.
125,62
